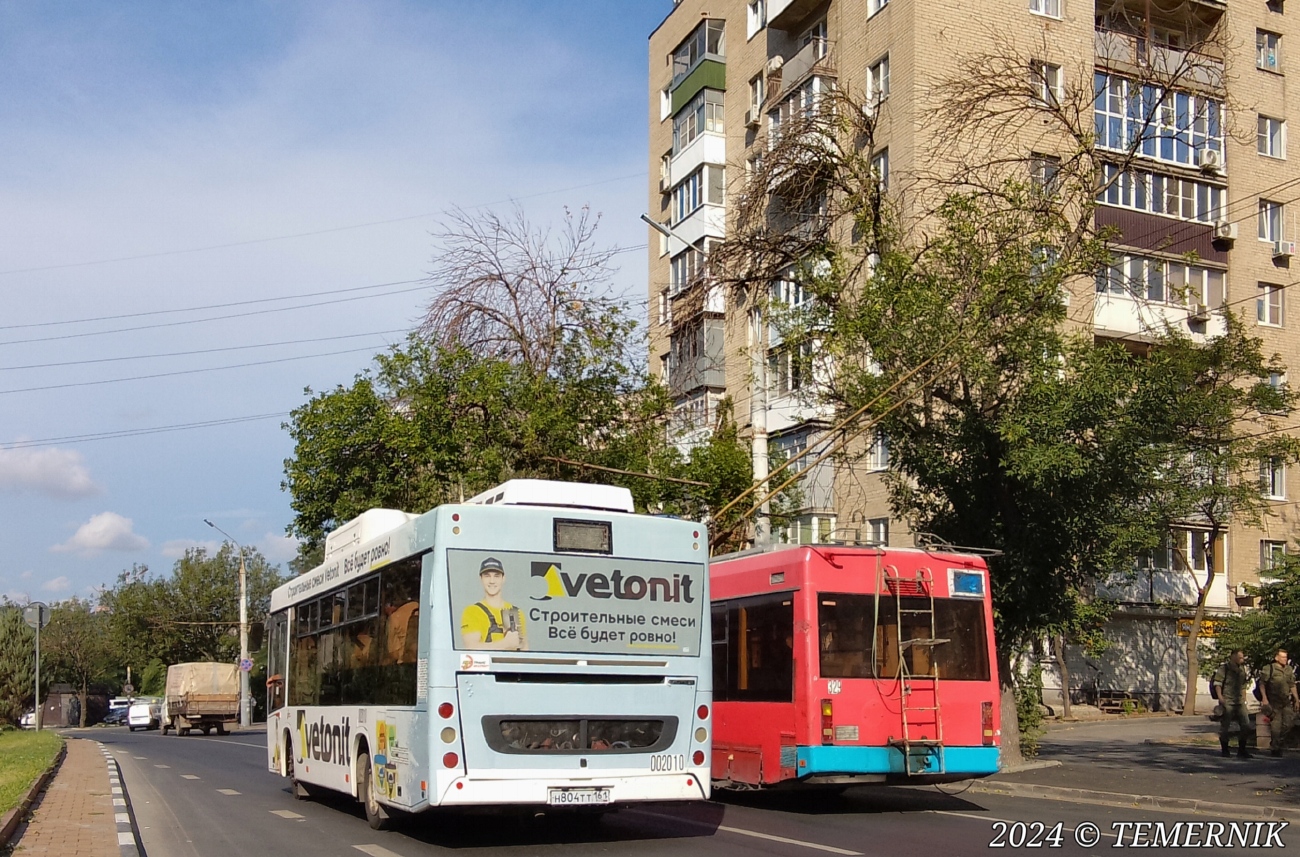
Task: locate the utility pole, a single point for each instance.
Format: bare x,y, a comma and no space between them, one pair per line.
757,398
37,614
245,696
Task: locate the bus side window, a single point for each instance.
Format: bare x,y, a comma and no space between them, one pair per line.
754,660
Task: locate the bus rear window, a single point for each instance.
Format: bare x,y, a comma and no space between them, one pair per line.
579,735
850,649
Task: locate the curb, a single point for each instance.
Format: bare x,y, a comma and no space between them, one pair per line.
14,817
1252,812
127,840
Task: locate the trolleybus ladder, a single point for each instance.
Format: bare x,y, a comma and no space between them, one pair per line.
922,723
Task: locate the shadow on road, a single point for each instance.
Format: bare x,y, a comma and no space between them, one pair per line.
857,800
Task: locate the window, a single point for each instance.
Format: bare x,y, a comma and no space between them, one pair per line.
1267,50
665,170
816,36
1270,138
703,113
359,645
1153,122
1272,478
1046,81
858,638
665,103
666,368
810,529
688,195
878,82
1183,550
1268,304
878,455
1270,221
880,166
706,39
686,267
757,95
753,649
875,6
1162,280
755,17
1157,193
878,531
1051,8
1272,555
665,314
802,101
1044,172
788,369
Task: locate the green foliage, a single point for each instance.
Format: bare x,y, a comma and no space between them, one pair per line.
191,615
430,424
17,663
77,649
1275,625
153,678
1029,709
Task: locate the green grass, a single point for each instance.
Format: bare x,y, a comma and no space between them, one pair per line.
23,756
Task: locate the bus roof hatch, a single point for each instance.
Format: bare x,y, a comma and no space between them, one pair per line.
544,492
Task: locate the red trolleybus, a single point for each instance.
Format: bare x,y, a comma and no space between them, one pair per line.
838,665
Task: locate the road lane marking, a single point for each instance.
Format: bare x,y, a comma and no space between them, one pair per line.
228,792
376,851
285,813
141,758
188,777
740,831
162,766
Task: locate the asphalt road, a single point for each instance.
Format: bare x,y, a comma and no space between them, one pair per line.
213,797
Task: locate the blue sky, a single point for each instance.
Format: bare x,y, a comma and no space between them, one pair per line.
157,157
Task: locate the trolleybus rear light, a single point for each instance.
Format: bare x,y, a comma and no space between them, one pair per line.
446,710
450,760
697,758
455,516
702,712
828,722
986,722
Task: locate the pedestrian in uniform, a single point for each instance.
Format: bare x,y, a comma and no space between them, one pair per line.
1278,698
1232,680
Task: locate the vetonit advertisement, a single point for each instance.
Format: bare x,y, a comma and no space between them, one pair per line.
506,601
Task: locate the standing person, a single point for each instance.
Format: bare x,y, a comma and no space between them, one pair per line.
1232,680
492,623
1279,699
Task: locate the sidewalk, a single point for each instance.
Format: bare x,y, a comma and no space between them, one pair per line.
1160,762
75,816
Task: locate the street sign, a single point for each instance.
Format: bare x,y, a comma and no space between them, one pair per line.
128,689
246,665
37,614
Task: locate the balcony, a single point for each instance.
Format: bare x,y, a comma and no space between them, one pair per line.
1124,52
814,58
1137,319
789,14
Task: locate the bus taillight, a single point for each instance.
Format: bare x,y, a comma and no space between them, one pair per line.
450,760
828,722
446,710
698,758
986,721
702,713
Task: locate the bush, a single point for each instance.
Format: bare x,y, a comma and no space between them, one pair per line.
1029,710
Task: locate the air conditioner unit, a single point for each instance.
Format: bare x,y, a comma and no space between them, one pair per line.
1283,249
1225,230
1198,312
1210,160
774,65
751,118
663,184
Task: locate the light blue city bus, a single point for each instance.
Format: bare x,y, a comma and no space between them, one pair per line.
539,644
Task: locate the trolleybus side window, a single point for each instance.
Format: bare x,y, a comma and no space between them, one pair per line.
358,645
753,657
845,623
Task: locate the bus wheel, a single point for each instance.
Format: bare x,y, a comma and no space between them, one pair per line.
376,815
296,788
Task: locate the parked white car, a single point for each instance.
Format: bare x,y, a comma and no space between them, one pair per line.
144,714
28,720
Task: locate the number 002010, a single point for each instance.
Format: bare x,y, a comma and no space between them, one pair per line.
668,762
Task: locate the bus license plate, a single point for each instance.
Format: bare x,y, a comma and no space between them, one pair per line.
577,797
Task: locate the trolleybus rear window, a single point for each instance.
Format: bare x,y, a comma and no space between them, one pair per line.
957,647
753,649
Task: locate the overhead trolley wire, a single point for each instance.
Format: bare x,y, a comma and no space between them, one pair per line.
112,435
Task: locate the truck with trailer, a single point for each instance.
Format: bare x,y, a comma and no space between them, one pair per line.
201,696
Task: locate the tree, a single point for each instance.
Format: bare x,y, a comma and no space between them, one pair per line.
1224,440
79,648
17,663
1274,625
191,615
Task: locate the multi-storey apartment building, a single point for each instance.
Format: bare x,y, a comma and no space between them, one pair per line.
1203,207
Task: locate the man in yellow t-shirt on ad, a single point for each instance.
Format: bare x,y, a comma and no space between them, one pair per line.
492,623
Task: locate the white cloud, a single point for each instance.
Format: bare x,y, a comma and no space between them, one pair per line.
16,597
26,575
278,548
105,531
55,472
58,584
175,548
